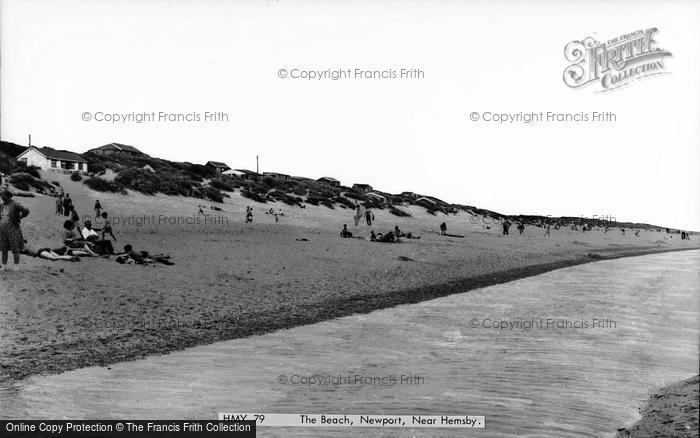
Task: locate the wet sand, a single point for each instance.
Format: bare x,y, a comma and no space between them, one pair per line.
233,280
670,412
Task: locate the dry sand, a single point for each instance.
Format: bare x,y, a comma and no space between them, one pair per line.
232,279
671,412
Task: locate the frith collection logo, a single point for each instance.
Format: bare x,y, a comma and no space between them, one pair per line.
615,63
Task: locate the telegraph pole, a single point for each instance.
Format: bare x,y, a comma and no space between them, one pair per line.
257,164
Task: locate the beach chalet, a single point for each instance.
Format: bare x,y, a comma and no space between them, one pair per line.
53,160
330,181
218,166
277,176
116,148
376,197
364,188
425,202
409,195
244,174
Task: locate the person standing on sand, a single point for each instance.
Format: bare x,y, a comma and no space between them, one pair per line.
107,228
67,203
358,213
443,228
98,209
369,217
59,205
248,215
506,226
546,233
11,240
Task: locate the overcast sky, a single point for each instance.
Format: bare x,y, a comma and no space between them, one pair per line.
61,59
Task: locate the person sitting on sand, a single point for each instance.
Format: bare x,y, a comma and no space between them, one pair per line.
399,233
443,228
73,214
386,238
90,234
131,253
47,253
107,228
73,240
372,236
344,232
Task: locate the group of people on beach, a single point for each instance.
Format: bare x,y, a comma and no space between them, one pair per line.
79,238
388,237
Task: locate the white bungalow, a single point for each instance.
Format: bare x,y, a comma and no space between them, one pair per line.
53,160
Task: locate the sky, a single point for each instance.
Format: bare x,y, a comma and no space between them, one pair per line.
61,60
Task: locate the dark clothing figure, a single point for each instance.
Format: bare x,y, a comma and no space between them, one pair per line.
386,238
344,232
67,204
443,228
98,209
521,228
369,217
506,226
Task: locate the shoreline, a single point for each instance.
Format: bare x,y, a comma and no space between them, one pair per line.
108,350
671,411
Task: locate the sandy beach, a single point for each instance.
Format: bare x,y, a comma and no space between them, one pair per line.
232,279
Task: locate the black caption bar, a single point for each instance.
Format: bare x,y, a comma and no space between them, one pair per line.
126,428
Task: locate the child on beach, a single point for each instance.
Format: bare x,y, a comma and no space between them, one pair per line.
11,240
443,228
98,208
107,228
248,215
344,232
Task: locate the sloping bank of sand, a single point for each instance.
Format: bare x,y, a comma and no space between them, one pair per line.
233,280
670,412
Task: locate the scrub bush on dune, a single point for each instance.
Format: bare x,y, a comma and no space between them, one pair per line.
397,212
102,185
25,181
253,196
75,176
221,185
